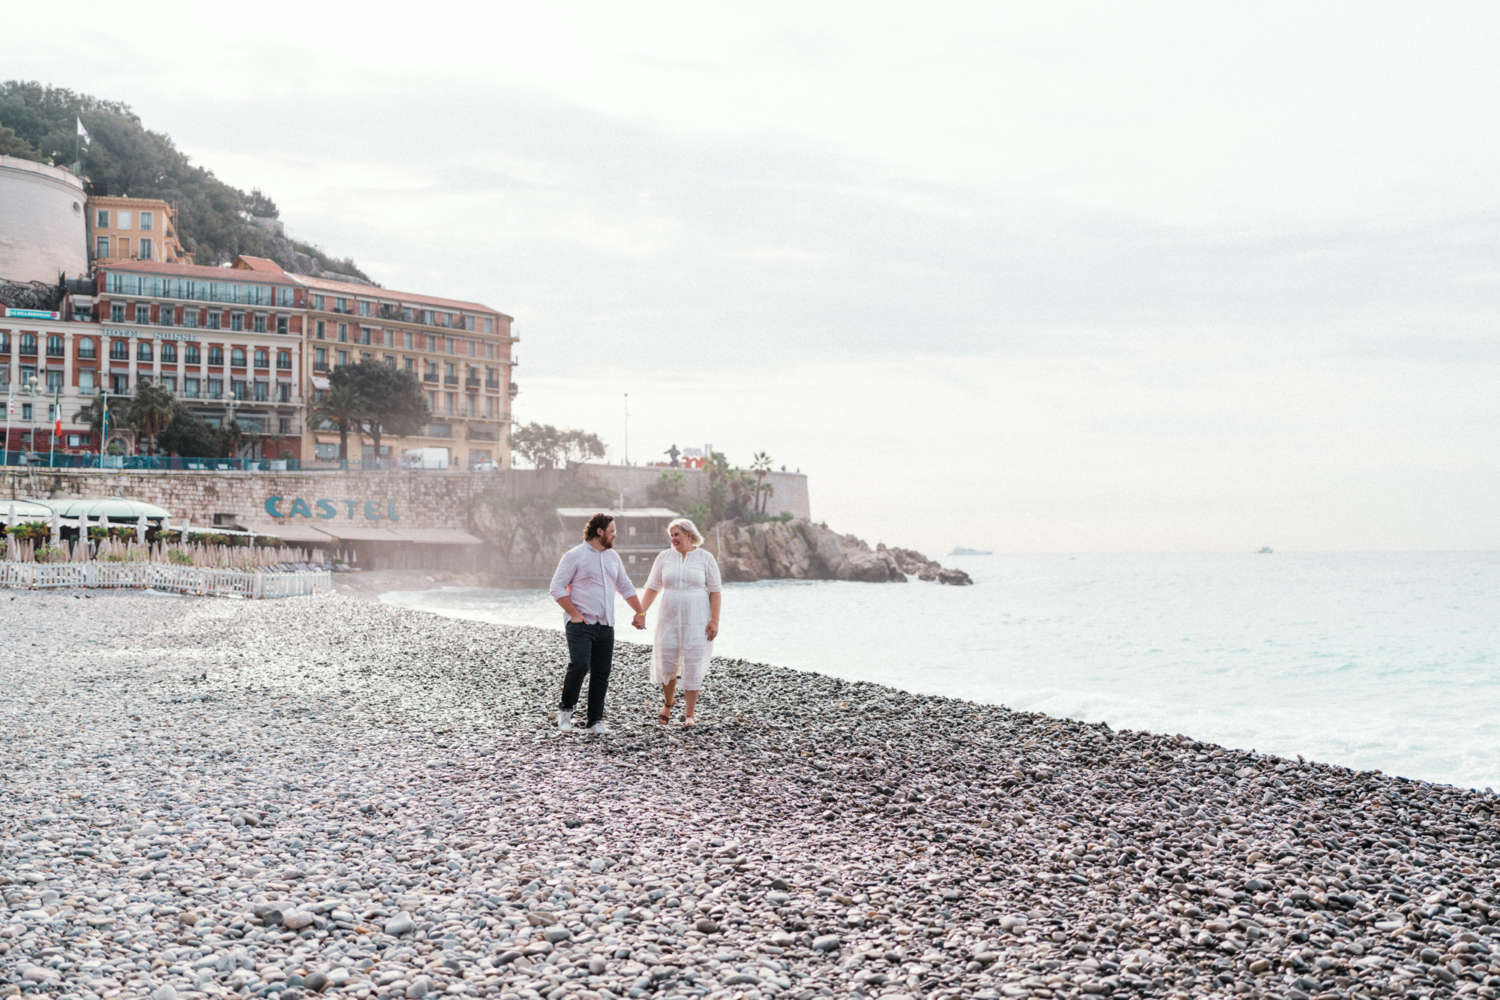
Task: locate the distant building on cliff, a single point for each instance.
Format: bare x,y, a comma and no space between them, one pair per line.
125,229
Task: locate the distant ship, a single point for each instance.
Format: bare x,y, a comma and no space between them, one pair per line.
961,551
1264,550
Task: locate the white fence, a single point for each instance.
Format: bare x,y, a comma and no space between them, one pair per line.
162,576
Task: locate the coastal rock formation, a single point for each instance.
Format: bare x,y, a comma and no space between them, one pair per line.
801,550
322,796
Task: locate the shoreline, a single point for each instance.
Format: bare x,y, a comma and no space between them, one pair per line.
872,841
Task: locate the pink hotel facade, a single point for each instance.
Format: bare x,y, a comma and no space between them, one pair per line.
256,344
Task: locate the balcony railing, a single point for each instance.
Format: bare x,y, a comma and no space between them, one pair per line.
450,380
472,384
483,434
430,377
492,383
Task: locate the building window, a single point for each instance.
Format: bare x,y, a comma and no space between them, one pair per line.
262,358
237,357
146,220
281,324
237,387
390,361
284,360
117,312
101,246
366,356
120,385
190,354
283,393
321,326
190,318
169,383
236,321
169,353
450,400
54,380
320,359
167,314
262,391
364,308
85,347
190,387
343,357
318,304
216,356
284,424
54,346
143,350
146,249
28,343
124,219
410,364
214,318
215,388
101,219
142,314
260,323
119,350
85,381
407,340
343,333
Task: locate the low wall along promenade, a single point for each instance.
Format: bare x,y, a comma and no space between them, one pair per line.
406,499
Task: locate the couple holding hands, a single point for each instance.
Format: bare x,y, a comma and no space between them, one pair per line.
686,580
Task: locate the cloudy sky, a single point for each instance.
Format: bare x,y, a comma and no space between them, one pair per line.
1063,277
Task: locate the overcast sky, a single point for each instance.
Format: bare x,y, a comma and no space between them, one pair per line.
1063,277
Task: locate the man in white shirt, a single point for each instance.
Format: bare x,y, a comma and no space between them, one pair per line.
587,578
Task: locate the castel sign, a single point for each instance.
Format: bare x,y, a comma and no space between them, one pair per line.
329,509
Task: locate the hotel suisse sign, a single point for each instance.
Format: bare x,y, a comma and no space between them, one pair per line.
153,334
328,509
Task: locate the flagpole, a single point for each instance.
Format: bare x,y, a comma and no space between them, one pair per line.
103,425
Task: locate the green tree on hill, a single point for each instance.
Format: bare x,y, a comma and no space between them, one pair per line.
214,220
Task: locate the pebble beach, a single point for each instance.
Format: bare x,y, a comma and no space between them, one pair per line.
325,796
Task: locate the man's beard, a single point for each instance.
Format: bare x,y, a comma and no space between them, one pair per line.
608,543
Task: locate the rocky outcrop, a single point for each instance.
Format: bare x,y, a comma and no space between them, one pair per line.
801,550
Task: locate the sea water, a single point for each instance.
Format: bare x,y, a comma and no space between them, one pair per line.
1386,661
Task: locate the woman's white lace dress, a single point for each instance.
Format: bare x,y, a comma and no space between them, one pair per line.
681,648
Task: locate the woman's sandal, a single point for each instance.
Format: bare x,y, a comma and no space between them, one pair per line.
688,720
665,715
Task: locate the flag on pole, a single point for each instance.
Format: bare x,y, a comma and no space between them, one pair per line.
57,412
83,133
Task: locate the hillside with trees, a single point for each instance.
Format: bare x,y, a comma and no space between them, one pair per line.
215,221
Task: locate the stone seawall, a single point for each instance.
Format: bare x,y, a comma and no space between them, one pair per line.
418,499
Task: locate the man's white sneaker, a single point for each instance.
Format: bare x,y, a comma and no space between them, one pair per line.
564,719
599,727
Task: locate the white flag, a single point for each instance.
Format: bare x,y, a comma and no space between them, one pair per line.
83,132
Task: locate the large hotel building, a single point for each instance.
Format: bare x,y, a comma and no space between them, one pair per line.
254,344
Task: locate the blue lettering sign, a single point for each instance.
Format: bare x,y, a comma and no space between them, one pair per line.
351,504
300,509
391,511
271,503
326,509
372,510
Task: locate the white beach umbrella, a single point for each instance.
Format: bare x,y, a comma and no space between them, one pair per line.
140,528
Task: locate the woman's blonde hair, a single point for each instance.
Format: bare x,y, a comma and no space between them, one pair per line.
685,525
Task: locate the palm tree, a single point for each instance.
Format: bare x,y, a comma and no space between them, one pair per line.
760,464
92,413
343,407
151,411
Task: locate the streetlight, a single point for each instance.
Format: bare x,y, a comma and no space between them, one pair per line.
229,420
30,389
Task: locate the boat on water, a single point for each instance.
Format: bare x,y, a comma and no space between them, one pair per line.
1264,550
961,551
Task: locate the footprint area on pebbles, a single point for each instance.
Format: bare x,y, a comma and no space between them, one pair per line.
321,795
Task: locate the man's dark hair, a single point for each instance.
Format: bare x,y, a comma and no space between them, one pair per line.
596,526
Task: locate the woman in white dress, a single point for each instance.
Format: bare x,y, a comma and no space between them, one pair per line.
687,580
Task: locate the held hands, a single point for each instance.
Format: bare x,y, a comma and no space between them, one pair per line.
639,621
711,631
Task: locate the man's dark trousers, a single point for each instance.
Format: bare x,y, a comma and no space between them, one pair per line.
591,649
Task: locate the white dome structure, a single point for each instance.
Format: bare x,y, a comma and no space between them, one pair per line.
42,222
